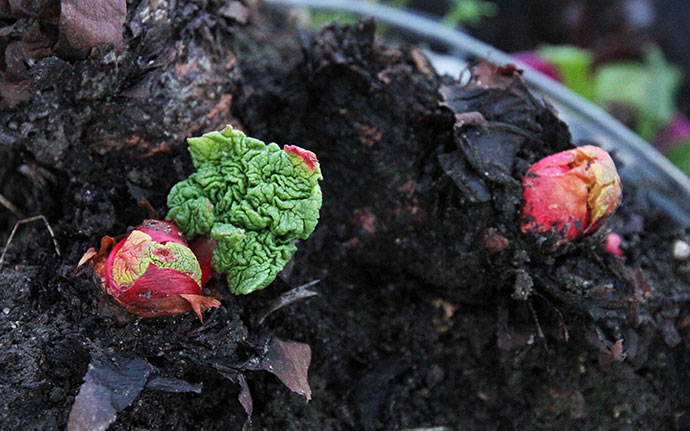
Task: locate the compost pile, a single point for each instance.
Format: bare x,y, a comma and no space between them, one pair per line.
433,309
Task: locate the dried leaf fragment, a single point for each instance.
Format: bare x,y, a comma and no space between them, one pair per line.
111,383
85,24
289,361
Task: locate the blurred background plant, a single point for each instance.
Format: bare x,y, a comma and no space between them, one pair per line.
628,56
468,12
453,13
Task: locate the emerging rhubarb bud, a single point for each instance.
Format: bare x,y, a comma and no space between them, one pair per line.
152,272
570,194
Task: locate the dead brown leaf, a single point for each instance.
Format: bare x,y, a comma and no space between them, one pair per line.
609,352
85,24
289,361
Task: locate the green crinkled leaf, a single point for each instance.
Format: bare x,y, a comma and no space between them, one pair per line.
251,259
254,199
190,210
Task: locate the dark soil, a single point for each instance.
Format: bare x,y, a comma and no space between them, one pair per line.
419,321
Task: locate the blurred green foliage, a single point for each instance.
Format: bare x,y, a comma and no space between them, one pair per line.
470,12
460,12
574,65
320,18
679,155
647,87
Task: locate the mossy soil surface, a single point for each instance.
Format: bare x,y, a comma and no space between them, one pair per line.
421,322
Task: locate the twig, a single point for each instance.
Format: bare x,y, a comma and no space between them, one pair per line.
561,319
536,321
145,204
10,206
25,221
298,293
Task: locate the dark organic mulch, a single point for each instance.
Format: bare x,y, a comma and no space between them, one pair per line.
418,323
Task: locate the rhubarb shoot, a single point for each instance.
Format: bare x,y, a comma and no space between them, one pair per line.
255,200
570,194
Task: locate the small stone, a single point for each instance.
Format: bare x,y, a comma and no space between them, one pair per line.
681,250
6,310
56,395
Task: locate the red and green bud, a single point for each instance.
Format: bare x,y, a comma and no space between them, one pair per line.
153,272
570,194
301,156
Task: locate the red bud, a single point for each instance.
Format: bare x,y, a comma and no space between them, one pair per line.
152,272
570,194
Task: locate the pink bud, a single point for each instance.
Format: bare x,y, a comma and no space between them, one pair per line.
613,244
152,272
570,194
